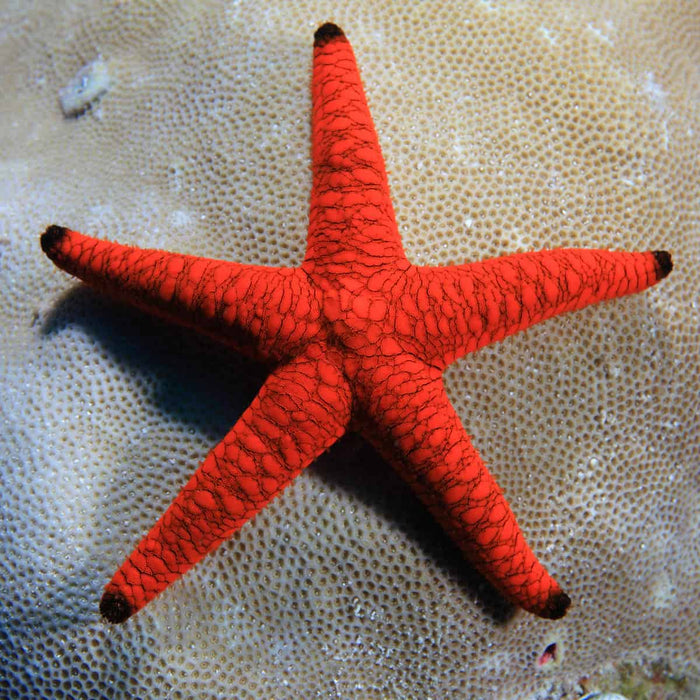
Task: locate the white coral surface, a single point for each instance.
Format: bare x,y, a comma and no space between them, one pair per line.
506,126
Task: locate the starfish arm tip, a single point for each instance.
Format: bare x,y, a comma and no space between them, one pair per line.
663,260
326,32
115,608
51,238
556,606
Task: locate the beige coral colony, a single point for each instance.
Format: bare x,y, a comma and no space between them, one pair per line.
505,127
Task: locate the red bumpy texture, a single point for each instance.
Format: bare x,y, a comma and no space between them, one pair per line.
358,336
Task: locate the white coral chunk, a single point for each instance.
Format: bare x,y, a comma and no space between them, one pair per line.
85,89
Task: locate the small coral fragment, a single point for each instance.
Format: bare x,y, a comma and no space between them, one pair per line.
85,89
548,655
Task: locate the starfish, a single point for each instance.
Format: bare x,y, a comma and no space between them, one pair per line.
358,339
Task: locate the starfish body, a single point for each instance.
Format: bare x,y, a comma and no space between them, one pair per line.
358,339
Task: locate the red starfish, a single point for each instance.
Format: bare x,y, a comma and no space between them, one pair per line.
359,338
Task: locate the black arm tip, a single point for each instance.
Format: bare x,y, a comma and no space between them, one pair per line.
663,260
51,238
557,606
326,32
115,608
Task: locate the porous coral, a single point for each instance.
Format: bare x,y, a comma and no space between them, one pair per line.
505,126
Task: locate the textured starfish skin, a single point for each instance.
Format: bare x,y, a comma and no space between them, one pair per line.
358,339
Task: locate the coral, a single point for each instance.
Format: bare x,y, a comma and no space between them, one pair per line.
506,126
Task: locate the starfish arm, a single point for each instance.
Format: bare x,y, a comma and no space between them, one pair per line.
410,420
351,217
263,311
301,410
465,307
